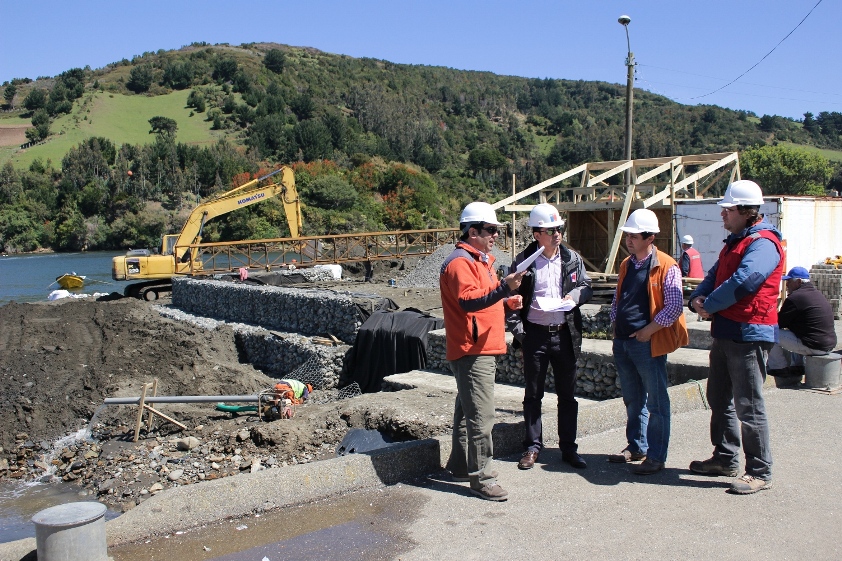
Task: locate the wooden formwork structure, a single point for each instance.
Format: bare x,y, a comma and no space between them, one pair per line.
597,197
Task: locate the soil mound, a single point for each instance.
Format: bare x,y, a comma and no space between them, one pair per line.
59,360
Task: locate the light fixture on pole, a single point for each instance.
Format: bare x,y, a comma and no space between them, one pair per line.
625,21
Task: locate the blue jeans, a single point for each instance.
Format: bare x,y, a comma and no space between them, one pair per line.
644,384
735,395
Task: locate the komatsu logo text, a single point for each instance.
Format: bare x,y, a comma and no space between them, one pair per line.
251,199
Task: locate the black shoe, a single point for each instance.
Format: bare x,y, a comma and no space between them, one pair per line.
574,459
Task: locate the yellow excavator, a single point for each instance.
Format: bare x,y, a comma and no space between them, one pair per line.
157,269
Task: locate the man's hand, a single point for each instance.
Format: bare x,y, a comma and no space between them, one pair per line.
699,306
515,302
513,280
645,334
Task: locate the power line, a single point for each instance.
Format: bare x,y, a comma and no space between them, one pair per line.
725,79
831,103
764,56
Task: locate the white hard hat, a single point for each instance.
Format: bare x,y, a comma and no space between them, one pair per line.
642,220
545,215
743,192
479,212
688,239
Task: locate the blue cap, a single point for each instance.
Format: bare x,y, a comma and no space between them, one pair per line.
797,273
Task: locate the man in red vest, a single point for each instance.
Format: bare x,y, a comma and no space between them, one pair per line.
740,294
691,261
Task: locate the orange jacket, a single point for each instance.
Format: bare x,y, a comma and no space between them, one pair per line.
472,301
666,340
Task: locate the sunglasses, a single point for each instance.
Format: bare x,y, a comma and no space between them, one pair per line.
552,231
491,230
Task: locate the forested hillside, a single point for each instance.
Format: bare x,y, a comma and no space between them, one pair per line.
374,145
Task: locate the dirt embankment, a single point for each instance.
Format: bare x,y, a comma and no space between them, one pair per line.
60,360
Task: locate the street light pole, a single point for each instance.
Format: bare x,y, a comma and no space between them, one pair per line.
625,21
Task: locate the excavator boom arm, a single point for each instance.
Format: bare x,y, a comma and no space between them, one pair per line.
241,197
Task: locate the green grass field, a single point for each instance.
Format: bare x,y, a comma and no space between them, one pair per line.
832,155
119,118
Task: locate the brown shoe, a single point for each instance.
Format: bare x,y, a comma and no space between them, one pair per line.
648,467
491,492
528,460
747,484
626,456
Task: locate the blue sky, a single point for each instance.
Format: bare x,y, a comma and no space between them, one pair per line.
685,49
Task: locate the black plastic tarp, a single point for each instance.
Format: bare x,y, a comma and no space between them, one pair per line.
390,342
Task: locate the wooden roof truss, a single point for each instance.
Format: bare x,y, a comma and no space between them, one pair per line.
654,183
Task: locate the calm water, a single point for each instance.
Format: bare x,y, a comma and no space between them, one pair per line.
31,278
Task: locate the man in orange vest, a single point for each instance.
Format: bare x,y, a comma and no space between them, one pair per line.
691,261
647,318
740,295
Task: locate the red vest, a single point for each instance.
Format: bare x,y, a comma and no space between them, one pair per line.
762,306
696,270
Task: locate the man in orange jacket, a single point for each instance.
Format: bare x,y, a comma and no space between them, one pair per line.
474,321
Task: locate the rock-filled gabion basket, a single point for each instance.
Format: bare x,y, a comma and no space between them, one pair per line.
292,310
279,355
596,376
289,355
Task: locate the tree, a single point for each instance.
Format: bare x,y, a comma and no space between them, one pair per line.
786,171
163,126
41,122
275,60
314,139
485,159
224,69
330,192
196,100
179,75
303,106
35,99
810,124
140,78
71,232
9,94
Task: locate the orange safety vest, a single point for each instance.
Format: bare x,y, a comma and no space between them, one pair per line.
666,340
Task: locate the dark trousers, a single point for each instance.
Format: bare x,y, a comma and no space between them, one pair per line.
540,350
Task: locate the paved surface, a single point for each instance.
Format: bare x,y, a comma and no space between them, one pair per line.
605,512
555,511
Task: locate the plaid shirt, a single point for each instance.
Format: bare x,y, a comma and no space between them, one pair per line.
673,294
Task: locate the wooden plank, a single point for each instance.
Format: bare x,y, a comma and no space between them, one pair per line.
542,185
165,417
139,420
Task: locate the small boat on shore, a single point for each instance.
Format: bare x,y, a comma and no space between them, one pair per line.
69,281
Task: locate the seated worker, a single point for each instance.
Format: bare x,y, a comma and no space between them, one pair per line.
805,323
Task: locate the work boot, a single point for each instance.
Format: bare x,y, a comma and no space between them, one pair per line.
713,467
748,484
648,467
491,492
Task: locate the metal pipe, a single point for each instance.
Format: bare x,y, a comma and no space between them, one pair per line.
179,399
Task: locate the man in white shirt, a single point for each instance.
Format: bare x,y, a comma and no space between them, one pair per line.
549,327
